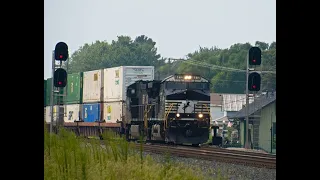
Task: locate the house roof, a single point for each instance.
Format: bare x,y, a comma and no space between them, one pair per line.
223,118
258,104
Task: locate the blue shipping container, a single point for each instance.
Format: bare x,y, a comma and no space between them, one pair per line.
91,112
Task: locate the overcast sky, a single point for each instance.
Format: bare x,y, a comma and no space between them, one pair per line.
177,26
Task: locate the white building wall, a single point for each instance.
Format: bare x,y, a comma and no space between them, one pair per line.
216,112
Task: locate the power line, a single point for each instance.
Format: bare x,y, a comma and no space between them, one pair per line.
211,66
269,82
206,65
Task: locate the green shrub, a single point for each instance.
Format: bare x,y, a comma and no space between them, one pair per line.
68,157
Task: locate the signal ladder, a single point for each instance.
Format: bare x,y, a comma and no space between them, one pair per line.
57,114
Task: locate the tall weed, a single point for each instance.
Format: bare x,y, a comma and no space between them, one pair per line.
68,157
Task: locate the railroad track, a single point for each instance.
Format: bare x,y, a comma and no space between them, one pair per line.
218,154
239,152
254,159
214,148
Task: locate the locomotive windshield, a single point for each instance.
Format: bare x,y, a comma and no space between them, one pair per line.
198,85
176,85
187,85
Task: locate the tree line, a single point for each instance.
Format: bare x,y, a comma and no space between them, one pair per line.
223,67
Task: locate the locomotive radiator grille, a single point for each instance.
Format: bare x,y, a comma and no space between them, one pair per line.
203,107
174,108
200,107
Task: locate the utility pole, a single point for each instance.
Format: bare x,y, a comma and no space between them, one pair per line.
52,92
253,83
271,131
247,104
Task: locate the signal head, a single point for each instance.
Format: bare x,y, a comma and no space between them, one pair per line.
254,81
254,56
60,78
61,51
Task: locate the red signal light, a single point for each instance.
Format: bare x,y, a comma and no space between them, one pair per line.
60,56
254,86
254,60
59,82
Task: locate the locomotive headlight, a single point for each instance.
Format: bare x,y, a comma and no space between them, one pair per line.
178,115
200,115
187,77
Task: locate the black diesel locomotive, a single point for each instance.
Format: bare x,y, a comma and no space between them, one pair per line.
174,110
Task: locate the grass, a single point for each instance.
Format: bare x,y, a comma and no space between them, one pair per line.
69,157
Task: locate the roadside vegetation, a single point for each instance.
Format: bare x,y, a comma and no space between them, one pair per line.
69,157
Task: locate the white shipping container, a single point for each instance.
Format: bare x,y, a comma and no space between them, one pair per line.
117,80
113,112
73,112
93,86
48,114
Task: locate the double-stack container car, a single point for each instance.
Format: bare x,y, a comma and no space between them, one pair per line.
98,95
116,81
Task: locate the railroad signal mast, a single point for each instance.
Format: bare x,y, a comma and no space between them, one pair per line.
253,83
60,56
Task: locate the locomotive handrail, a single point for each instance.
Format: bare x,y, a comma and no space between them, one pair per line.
146,115
208,111
166,115
153,104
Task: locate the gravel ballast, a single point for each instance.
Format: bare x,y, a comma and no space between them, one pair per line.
210,168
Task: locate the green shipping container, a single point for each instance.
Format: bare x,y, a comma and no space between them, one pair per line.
45,91
74,88
48,94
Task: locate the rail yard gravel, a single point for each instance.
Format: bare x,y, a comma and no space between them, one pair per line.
229,170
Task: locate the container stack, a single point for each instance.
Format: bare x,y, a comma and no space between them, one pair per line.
73,104
92,95
47,99
116,81
48,114
48,94
98,94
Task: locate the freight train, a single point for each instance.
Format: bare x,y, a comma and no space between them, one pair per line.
173,110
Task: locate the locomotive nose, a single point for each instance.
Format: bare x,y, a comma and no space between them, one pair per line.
188,133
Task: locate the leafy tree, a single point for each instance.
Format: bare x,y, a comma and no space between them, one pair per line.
123,52
212,63
262,45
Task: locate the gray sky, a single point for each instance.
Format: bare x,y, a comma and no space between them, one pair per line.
177,26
